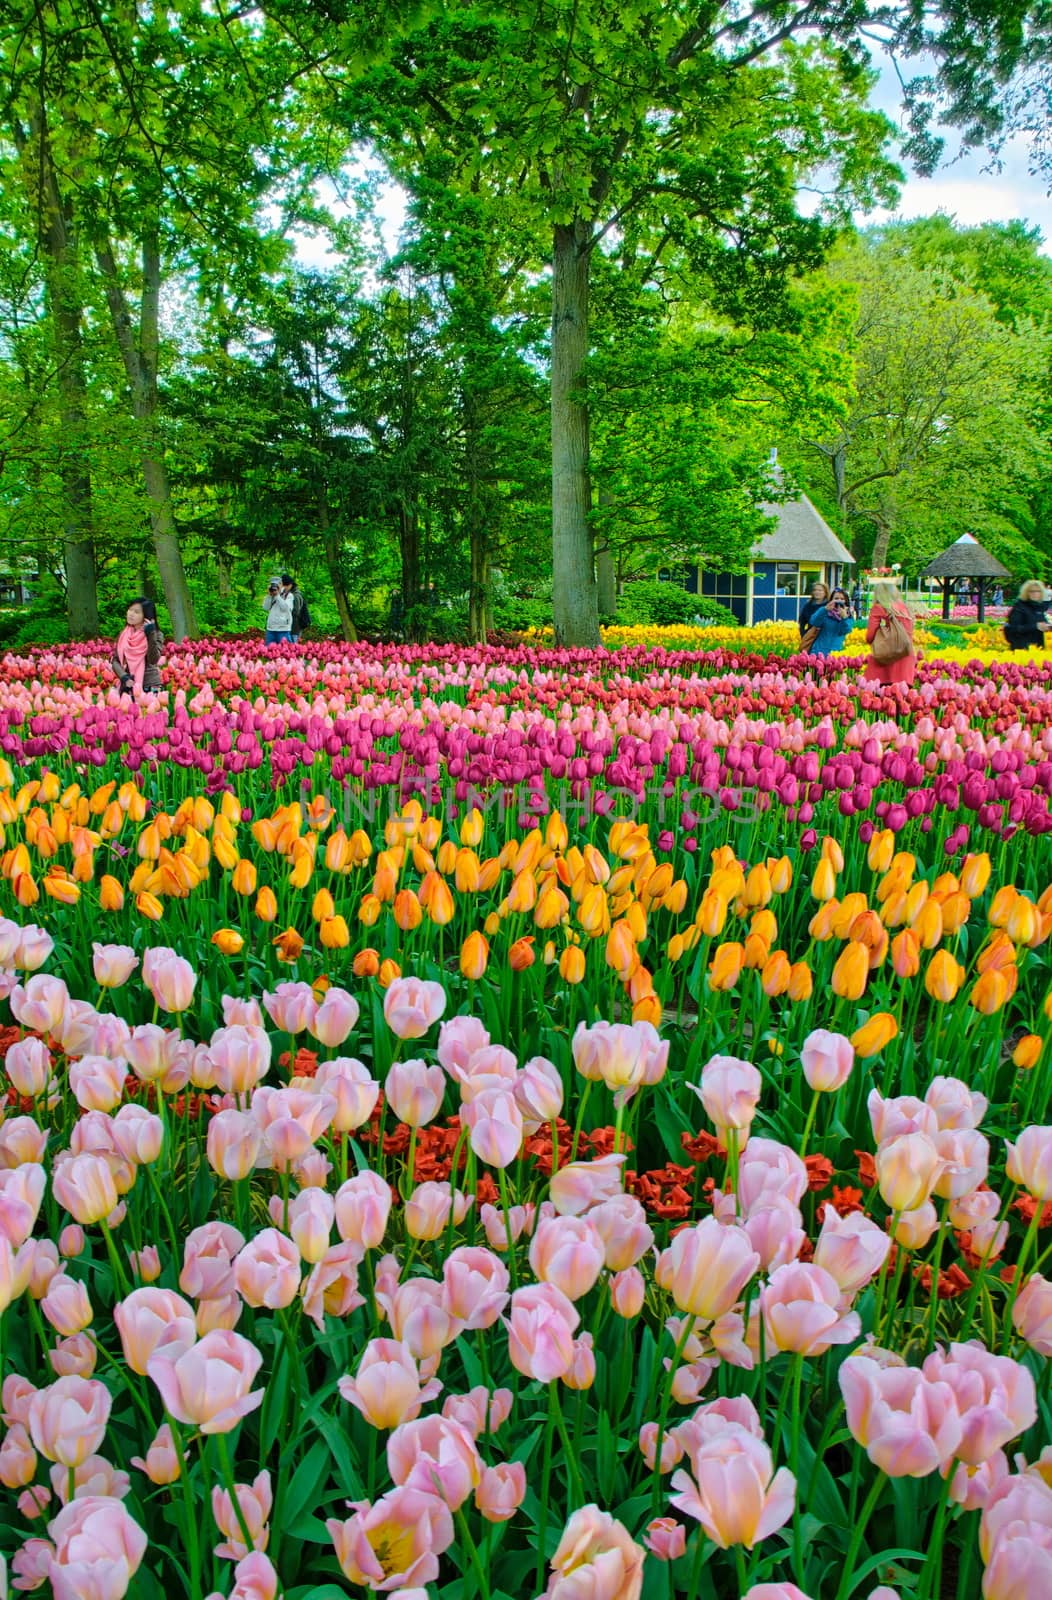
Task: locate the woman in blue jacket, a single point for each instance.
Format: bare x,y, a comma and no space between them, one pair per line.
834,622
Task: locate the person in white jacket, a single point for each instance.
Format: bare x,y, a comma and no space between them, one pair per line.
278,606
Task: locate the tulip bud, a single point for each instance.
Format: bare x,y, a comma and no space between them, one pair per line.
1027,1052
851,972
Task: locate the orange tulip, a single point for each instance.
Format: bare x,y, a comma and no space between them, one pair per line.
474,955
821,925
389,971
369,911
712,914
225,852
302,863
765,926
846,914
366,963
1027,1052
84,868
676,898
572,964
975,874
905,954
243,880
851,972
491,926
832,852
489,874
944,977
956,909
647,1009
149,907
408,912
989,992
998,952
801,982
759,890
338,852
334,933
755,952
881,850
111,895
100,798
467,871
1001,905
676,946
25,889
556,833
289,945
228,941
440,907
621,952
385,878
521,954
322,906
594,912
552,907
471,828
725,967
63,889
870,931
361,847
875,1035
777,973
781,870
266,905
446,860
522,896
1024,922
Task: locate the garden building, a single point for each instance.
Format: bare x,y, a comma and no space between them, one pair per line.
964,569
801,549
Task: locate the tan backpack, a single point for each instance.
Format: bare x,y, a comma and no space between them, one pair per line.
891,642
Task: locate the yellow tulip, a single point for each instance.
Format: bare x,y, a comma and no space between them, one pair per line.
389,971
337,852
875,1035
266,905
1027,1052
111,895
944,977
801,982
881,850
62,889
676,898
572,964
334,933
440,906
474,955
243,879
776,974
647,1009
228,941
989,992
725,967
471,828
781,870
149,907
322,906
851,972
975,874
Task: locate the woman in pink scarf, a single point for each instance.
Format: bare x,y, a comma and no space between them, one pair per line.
137,653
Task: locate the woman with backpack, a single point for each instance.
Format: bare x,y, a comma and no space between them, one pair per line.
889,635
1027,623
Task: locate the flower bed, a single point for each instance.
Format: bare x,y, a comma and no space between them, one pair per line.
486,1122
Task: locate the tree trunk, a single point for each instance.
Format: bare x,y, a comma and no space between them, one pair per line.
64,302
140,357
339,588
478,599
575,598
881,543
225,589
409,545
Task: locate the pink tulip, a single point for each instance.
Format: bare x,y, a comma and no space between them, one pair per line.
458,1040
954,1104
621,1224
412,1529
972,1487
730,1092
311,1216
18,1459
665,1538
419,1315
914,1228
706,1267
363,1205
22,1143
243,1013
74,1357
582,1368
33,1503
1030,1161
267,1271
800,1305
37,1262
995,1397
568,1252
851,1249
596,1559
965,1156
207,1384
541,1327
97,1084
581,1184
28,1065
427,1210
84,1187
113,964
768,1169
495,1126
292,1007
219,1315
354,1090
33,948
1018,1507
171,981
475,1286
412,1006
776,1591
480,1410
732,1488
386,1388
95,1476
137,1135
628,1292
501,1491
614,1053
144,1317
30,1563
21,1192
905,1114
66,1305
1020,1564
18,1392
233,1144
67,1420
671,1447
98,1549
161,1464
239,1057
775,1231
908,1166
41,1005
518,1220
1032,1313
908,1426
538,1093
332,1287
415,1091
256,1502
208,1260
827,1059
254,1579
335,1018
437,1456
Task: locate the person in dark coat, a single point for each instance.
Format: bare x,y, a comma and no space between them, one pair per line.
819,598
1028,622
136,657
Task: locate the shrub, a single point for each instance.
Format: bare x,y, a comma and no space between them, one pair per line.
665,604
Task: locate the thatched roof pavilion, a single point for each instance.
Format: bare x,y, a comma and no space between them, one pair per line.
965,558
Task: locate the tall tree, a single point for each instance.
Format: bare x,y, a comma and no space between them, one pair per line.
642,113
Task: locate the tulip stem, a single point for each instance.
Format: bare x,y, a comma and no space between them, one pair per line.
169,1224
933,1312
739,1567
847,1582
505,1201
809,1124
226,1472
481,1581
1017,1277
666,1400
546,1478
571,1454
794,1465
120,1282
189,1515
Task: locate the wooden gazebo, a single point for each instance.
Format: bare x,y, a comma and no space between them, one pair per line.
965,558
